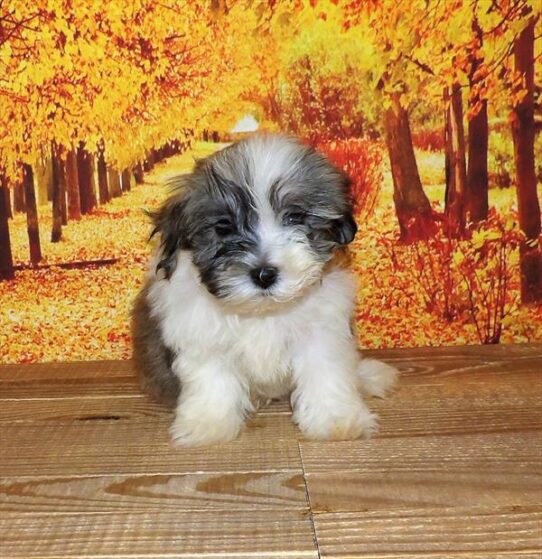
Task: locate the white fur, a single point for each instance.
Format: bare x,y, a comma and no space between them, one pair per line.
305,348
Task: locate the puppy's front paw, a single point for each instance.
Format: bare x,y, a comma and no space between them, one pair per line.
338,425
376,378
204,431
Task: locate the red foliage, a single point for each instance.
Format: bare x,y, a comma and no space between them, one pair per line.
428,139
468,279
361,161
420,226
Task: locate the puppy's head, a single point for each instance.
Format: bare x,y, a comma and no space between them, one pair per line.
260,219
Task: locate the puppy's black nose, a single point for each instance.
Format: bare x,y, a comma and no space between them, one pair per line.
264,277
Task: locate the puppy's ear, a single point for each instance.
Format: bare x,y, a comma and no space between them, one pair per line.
344,229
169,223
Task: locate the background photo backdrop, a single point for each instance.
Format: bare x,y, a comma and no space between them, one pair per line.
433,107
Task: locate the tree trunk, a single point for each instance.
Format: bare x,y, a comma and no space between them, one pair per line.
102,177
6,258
114,182
457,169
18,198
477,174
85,171
7,201
63,201
126,180
149,161
49,184
32,226
138,174
523,132
478,131
58,181
72,186
448,153
414,212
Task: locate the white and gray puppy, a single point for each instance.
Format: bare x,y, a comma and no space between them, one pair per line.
246,299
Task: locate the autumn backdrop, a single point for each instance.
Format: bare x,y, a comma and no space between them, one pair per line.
433,107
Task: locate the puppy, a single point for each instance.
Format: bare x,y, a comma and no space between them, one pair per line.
247,298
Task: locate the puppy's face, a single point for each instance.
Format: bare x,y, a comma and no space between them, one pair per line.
260,219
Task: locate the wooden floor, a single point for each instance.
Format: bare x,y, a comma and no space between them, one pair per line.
86,469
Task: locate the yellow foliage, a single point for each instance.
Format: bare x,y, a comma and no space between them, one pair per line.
135,74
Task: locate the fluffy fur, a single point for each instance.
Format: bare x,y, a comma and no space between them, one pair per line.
246,298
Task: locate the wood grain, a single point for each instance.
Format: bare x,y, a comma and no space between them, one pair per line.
476,353
462,403
87,469
268,443
147,493
506,452
432,533
31,372
447,439
454,487
261,534
456,470
135,410
74,388
476,470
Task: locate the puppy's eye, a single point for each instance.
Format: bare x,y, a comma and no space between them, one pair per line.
224,227
294,218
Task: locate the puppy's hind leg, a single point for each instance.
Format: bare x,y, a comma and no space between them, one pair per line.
376,378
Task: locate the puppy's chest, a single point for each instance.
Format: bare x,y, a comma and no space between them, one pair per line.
261,349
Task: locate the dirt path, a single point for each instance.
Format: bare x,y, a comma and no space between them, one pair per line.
57,314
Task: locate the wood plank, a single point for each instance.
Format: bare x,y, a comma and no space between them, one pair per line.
412,360
463,361
89,380
30,372
456,471
505,451
448,419
467,403
69,410
108,446
476,352
147,493
491,469
469,355
458,437
431,533
460,487
157,534
103,378
136,410
98,387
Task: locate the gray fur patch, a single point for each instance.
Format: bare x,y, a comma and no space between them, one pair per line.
151,357
212,213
